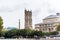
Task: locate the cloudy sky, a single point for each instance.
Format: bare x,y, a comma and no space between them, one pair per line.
12,10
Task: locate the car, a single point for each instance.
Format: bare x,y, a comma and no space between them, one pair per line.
55,36
1,37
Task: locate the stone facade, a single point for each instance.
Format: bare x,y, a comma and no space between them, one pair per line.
51,20
28,19
49,24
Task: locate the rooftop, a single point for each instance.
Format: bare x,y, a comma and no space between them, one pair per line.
53,16
47,23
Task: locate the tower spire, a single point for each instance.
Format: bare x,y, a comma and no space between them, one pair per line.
19,24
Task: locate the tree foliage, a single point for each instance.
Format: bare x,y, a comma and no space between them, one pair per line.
10,33
1,24
51,33
23,32
58,28
26,33
54,33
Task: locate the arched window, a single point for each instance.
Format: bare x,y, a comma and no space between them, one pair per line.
49,30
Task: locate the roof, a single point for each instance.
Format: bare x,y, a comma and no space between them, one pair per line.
10,27
52,16
47,23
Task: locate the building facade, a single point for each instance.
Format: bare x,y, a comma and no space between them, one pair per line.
28,19
49,24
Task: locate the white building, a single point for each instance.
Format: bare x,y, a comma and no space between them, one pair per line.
49,24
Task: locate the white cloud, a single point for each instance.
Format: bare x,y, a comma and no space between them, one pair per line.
12,10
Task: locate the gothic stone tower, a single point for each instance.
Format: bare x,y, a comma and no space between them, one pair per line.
28,19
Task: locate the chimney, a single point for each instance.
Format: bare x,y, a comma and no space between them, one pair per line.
58,14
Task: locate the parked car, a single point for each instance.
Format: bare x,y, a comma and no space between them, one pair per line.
1,37
55,36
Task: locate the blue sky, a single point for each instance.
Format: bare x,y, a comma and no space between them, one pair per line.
12,10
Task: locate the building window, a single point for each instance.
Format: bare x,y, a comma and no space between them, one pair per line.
46,28
43,29
49,30
40,29
39,25
52,28
45,24
50,25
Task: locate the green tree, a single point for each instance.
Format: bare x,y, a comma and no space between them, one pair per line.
54,33
1,24
29,33
25,33
38,33
10,33
58,28
51,33
47,34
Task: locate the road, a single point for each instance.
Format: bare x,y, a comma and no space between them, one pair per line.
30,39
